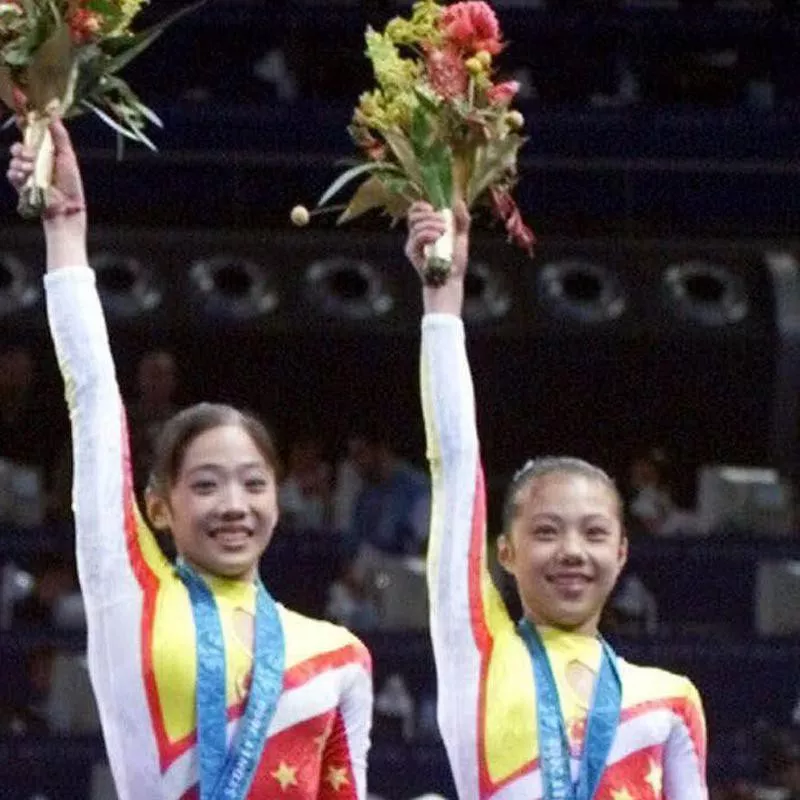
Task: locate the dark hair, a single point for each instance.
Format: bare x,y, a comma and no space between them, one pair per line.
185,426
551,465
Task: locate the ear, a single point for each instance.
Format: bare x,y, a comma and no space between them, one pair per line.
158,511
505,553
622,555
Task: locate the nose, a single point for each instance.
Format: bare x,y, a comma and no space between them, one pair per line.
571,549
233,501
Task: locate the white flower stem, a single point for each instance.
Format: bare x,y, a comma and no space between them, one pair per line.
37,137
439,255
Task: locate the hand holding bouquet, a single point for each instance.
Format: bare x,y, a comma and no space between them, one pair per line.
60,58
437,127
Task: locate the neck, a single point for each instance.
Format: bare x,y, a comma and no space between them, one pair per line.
588,627
248,576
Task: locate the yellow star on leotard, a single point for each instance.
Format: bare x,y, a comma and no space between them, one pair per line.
655,778
285,775
337,777
621,794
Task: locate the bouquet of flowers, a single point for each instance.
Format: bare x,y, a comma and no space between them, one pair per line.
62,58
438,126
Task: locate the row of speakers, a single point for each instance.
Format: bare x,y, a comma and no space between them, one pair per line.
323,276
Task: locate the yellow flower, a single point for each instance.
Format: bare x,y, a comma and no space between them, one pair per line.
515,120
400,109
128,9
369,103
392,72
474,65
420,28
383,110
485,57
401,31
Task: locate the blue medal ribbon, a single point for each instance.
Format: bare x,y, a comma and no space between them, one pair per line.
226,774
554,750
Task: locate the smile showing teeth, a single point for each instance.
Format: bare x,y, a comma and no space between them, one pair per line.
231,536
569,583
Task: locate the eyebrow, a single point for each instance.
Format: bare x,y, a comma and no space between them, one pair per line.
551,517
544,515
219,468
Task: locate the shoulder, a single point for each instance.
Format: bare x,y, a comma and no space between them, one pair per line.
654,687
309,638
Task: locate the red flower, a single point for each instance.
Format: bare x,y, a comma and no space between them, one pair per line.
503,93
472,27
374,148
20,101
83,25
447,73
506,209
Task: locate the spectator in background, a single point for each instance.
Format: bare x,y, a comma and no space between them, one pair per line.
392,509
651,506
156,387
26,711
347,487
28,433
390,521
55,599
650,499
17,416
304,496
782,761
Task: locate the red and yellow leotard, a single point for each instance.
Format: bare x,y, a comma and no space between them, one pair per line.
141,640
487,699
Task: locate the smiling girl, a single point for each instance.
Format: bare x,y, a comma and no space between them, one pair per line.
207,689
542,709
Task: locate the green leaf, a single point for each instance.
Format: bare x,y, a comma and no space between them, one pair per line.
141,41
420,132
371,194
401,185
49,71
20,53
108,11
57,18
437,173
111,122
31,11
404,153
113,46
88,71
491,162
427,102
7,87
149,114
442,158
354,172
144,139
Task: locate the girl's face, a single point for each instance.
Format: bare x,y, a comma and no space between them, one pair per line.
566,549
222,507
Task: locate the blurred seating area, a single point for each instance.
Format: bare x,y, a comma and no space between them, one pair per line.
706,592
